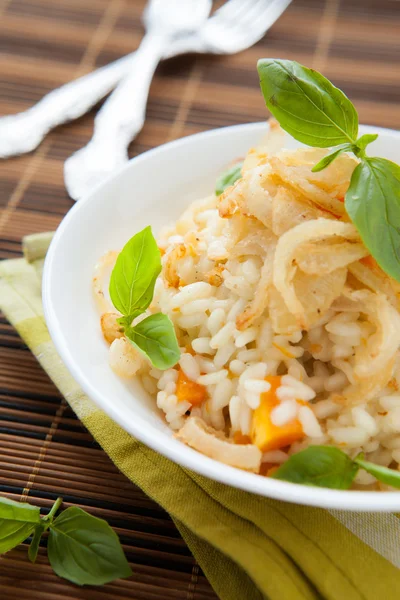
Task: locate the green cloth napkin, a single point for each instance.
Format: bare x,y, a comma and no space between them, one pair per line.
249,547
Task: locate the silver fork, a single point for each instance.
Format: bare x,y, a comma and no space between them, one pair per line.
238,24
119,119
24,131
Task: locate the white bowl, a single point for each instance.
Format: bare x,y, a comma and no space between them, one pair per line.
154,188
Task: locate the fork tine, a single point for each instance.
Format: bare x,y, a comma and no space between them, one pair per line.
268,11
231,10
258,17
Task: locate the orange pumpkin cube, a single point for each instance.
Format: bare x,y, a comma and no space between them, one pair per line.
189,390
264,434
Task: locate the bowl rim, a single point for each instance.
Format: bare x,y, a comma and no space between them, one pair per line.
191,459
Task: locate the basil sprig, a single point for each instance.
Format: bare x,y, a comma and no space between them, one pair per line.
131,290
81,548
315,112
326,466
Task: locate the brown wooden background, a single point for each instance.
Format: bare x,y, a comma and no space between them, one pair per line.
44,451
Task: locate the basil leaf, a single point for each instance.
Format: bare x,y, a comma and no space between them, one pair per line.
327,160
17,522
321,466
135,272
363,142
13,533
228,178
306,104
155,338
85,550
388,476
373,204
19,511
34,545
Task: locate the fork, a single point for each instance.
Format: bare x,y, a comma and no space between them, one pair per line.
122,116
24,131
237,25
118,121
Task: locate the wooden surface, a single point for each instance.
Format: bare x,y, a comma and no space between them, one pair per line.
44,451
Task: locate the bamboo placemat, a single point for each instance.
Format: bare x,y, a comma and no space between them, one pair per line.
44,451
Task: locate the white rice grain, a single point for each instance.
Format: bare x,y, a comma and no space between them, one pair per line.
364,420
190,321
257,371
325,408
284,413
211,378
236,309
237,367
245,418
193,291
223,355
292,388
202,345
206,366
170,388
309,422
216,320
234,412
189,366
223,336
256,386
217,251
246,337
248,356
351,437
168,375
252,400
222,395
336,382
197,306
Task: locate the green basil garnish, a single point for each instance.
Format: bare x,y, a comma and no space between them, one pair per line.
326,466
327,160
315,112
17,522
81,548
228,178
388,476
155,338
321,466
373,204
85,550
363,142
306,104
135,272
131,290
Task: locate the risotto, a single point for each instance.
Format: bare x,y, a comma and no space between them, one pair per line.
288,330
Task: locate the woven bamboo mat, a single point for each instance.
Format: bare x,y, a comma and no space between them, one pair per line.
44,451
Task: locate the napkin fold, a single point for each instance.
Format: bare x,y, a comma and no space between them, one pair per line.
249,547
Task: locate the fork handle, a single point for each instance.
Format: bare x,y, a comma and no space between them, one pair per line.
116,124
123,114
23,132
